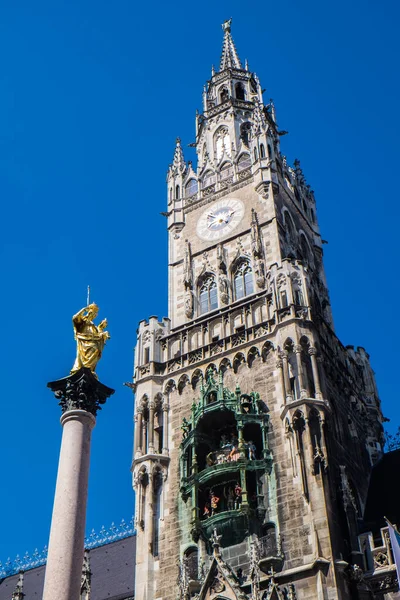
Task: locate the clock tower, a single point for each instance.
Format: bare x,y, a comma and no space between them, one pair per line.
255,428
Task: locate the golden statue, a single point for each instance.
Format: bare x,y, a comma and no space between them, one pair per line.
90,338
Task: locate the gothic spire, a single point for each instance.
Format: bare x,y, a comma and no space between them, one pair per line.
229,56
179,161
18,593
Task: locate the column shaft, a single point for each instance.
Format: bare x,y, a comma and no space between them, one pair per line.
67,535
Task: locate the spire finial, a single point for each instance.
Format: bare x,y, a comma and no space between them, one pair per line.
179,161
226,25
229,57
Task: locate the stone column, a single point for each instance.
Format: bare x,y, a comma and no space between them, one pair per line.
80,396
165,409
138,431
151,428
285,368
303,391
313,355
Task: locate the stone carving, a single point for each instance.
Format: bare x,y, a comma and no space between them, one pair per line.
81,390
257,250
223,284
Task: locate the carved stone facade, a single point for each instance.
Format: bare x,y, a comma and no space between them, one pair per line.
255,429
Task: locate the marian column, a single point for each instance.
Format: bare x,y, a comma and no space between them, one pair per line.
80,396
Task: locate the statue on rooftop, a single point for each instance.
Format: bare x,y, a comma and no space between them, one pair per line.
90,338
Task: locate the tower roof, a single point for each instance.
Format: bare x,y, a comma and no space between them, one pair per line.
229,56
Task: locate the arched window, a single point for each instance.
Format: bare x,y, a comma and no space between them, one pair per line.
312,215
244,162
177,192
191,188
170,195
255,154
262,151
239,91
243,280
245,130
208,297
224,95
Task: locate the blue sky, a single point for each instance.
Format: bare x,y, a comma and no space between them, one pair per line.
92,97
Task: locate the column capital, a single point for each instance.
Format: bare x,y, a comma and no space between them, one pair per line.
297,349
312,351
80,391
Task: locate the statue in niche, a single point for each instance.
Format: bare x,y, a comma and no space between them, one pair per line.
90,338
189,304
223,288
222,278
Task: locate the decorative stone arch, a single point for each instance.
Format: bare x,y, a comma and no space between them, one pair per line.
211,368
266,351
183,380
224,365
196,377
170,386
238,360
252,354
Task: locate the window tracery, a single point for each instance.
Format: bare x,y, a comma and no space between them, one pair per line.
222,143
208,295
243,280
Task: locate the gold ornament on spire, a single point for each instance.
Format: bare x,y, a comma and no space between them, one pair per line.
90,338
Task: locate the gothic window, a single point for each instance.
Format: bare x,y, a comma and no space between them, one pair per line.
224,95
312,215
222,143
244,162
304,206
304,252
177,192
243,280
255,154
245,130
191,188
262,151
269,150
170,195
208,297
298,297
239,91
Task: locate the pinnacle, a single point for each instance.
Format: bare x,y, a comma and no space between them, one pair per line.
229,57
179,161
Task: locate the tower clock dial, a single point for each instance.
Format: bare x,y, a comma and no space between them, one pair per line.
220,219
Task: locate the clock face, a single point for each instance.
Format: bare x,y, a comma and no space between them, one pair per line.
220,219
